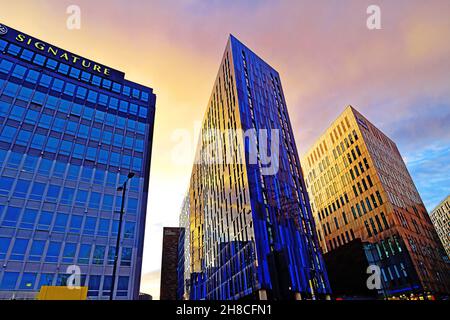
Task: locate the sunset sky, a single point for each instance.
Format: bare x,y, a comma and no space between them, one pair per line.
398,77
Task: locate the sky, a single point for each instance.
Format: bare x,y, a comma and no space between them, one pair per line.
398,76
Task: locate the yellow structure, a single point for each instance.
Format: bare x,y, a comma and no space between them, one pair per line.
360,188
62,293
441,220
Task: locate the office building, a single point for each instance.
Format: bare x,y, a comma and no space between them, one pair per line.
440,216
360,188
183,271
252,234
169,264
71,130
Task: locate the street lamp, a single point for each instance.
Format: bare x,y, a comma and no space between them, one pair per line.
122,188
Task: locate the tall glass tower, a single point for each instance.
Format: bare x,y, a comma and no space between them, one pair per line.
71,130
251,232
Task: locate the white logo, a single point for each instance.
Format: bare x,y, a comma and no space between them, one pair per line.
3,29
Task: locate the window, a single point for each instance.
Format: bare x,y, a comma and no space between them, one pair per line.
69,252
83,131
37,192
380,200
51,64
11,217
61,280
23,138
66,147
383,217
86,174
107,281
143,112
5,185
75,224
39,59
45,280
5,66
58,126
4,107
72,127
38,139
73,173
53,251
30,163
367,228
19,71
36,251
63,68
14,160
94,285
45,166
90,225
60,169
10,89
85,253
85,76
95,134
122,286
45,220
9,280
103,156
52,145
99,176
17,113
28,219
61,222
21,189
132,205
91,153
129,229
31,117
45,121
8,134
125,259
19,249
67,195
81,93
103,227
81,198
78,151
111,254
46,80
99,254
4,245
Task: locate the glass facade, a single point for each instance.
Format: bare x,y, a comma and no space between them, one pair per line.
70,132
251,234
360,188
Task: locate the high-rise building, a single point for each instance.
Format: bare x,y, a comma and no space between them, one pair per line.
169,263
184,274
360,188
71,130
252,234
440,216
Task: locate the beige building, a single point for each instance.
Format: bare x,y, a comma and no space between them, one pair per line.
441,220
360,188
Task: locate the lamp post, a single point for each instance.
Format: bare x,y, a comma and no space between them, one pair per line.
122,188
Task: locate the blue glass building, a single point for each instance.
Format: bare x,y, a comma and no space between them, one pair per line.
71,130
251,230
